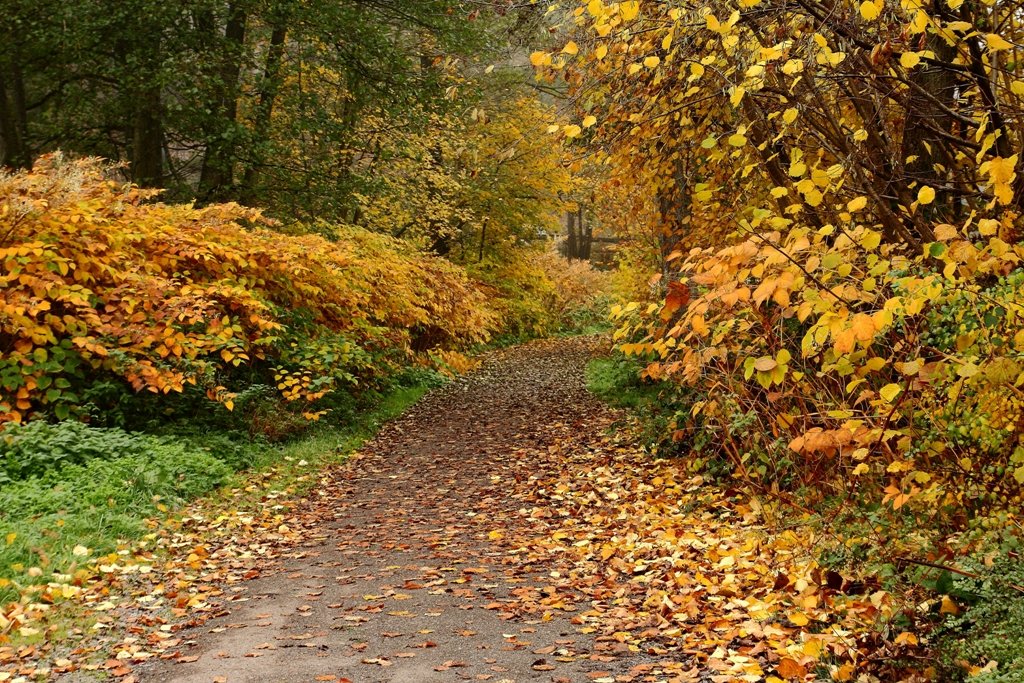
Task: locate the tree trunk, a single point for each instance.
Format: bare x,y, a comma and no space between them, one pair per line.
587,231
147,164
572,244
265,107
216,177
14,150
925,109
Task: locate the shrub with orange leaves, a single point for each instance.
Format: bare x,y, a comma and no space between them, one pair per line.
99,279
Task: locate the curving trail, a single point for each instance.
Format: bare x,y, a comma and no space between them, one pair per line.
405,577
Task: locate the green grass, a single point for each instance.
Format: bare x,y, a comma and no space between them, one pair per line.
616,380
102,500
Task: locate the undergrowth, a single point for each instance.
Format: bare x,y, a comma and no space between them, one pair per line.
616,380
987,639
74,491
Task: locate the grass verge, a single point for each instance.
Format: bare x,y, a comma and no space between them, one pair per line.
104,484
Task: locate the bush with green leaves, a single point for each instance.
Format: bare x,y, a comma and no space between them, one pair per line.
102,492
990,629
36,448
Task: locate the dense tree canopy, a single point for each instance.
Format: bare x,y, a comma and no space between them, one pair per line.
267,102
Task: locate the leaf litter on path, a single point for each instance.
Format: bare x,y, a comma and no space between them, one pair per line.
504,529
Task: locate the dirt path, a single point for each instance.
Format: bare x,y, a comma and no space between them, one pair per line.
404,580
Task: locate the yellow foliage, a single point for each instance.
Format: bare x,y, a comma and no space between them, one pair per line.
832,220
99,279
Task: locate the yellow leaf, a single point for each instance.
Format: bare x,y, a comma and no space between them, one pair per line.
996,42
789,116
906,638
1017,87
737,139
919,23
999,169
863,327
860,469
987,227
870,10
856,204
629,10
737,95
652,61
889,392
846,671
909,60
10,537
926,195
601,51
571,48
589,121
948,606
540,58
572,131
799,618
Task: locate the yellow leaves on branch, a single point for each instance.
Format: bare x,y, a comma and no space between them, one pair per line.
994,42
1001,173
797,313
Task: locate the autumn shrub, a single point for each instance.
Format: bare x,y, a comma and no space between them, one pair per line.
539,292
829,361
833,239
101,283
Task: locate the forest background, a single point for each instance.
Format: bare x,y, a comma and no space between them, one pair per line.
819,206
